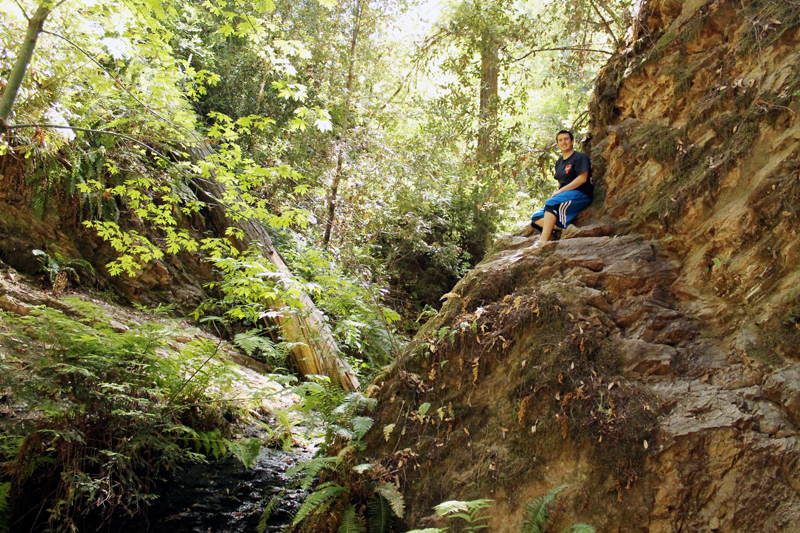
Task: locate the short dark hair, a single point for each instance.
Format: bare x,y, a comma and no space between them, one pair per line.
571,138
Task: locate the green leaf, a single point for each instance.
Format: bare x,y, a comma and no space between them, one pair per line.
226,30
323,125
311,469
363,467
361,425
424,409
274,501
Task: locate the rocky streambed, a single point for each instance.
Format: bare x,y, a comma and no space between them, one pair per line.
226,497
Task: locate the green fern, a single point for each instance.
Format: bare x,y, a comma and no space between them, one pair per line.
246,450
319,500
268,510
311,469
380,515
39,201
536,511
467,511
251,341
283,431
351,523
460,508
5,509
361,424
394,497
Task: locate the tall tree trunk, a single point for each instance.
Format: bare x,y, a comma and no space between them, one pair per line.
487,154
35,25
337,178
484,218
316,351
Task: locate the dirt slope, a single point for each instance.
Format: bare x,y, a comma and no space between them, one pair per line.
649,359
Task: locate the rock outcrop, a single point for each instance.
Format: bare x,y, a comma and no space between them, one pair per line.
650,358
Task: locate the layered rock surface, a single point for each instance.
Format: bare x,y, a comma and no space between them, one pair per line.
650,358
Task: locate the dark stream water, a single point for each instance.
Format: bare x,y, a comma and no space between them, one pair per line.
226,497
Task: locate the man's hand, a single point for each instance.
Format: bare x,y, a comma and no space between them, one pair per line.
557,191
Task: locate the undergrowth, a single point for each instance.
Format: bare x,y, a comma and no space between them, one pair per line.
346,497
92,417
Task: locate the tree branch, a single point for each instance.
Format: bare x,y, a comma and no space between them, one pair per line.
76,128
565,48
22,8
605,22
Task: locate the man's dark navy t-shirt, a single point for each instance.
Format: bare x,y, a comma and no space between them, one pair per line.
570,168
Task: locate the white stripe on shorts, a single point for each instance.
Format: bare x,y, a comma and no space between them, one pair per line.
562,213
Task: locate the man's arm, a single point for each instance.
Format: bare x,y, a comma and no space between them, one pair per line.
574,184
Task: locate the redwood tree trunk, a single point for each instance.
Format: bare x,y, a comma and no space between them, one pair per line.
487,147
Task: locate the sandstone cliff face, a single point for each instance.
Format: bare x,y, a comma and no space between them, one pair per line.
650,358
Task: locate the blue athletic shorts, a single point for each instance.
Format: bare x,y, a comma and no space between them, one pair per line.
564,206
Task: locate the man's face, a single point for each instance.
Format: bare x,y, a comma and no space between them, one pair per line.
564,142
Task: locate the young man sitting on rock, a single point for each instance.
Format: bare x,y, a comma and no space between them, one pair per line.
575,191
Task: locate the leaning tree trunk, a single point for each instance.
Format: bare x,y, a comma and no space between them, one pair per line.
35,25
315,350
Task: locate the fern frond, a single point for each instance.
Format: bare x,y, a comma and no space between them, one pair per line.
268,510
450,508
250,341
380,515
361,424
580,528
536,511
5,508
311,469
318,501
393,496
246,450
350,522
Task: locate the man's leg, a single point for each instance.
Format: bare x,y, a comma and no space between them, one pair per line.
547,224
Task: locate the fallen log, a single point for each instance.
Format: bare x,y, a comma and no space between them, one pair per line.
315,350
